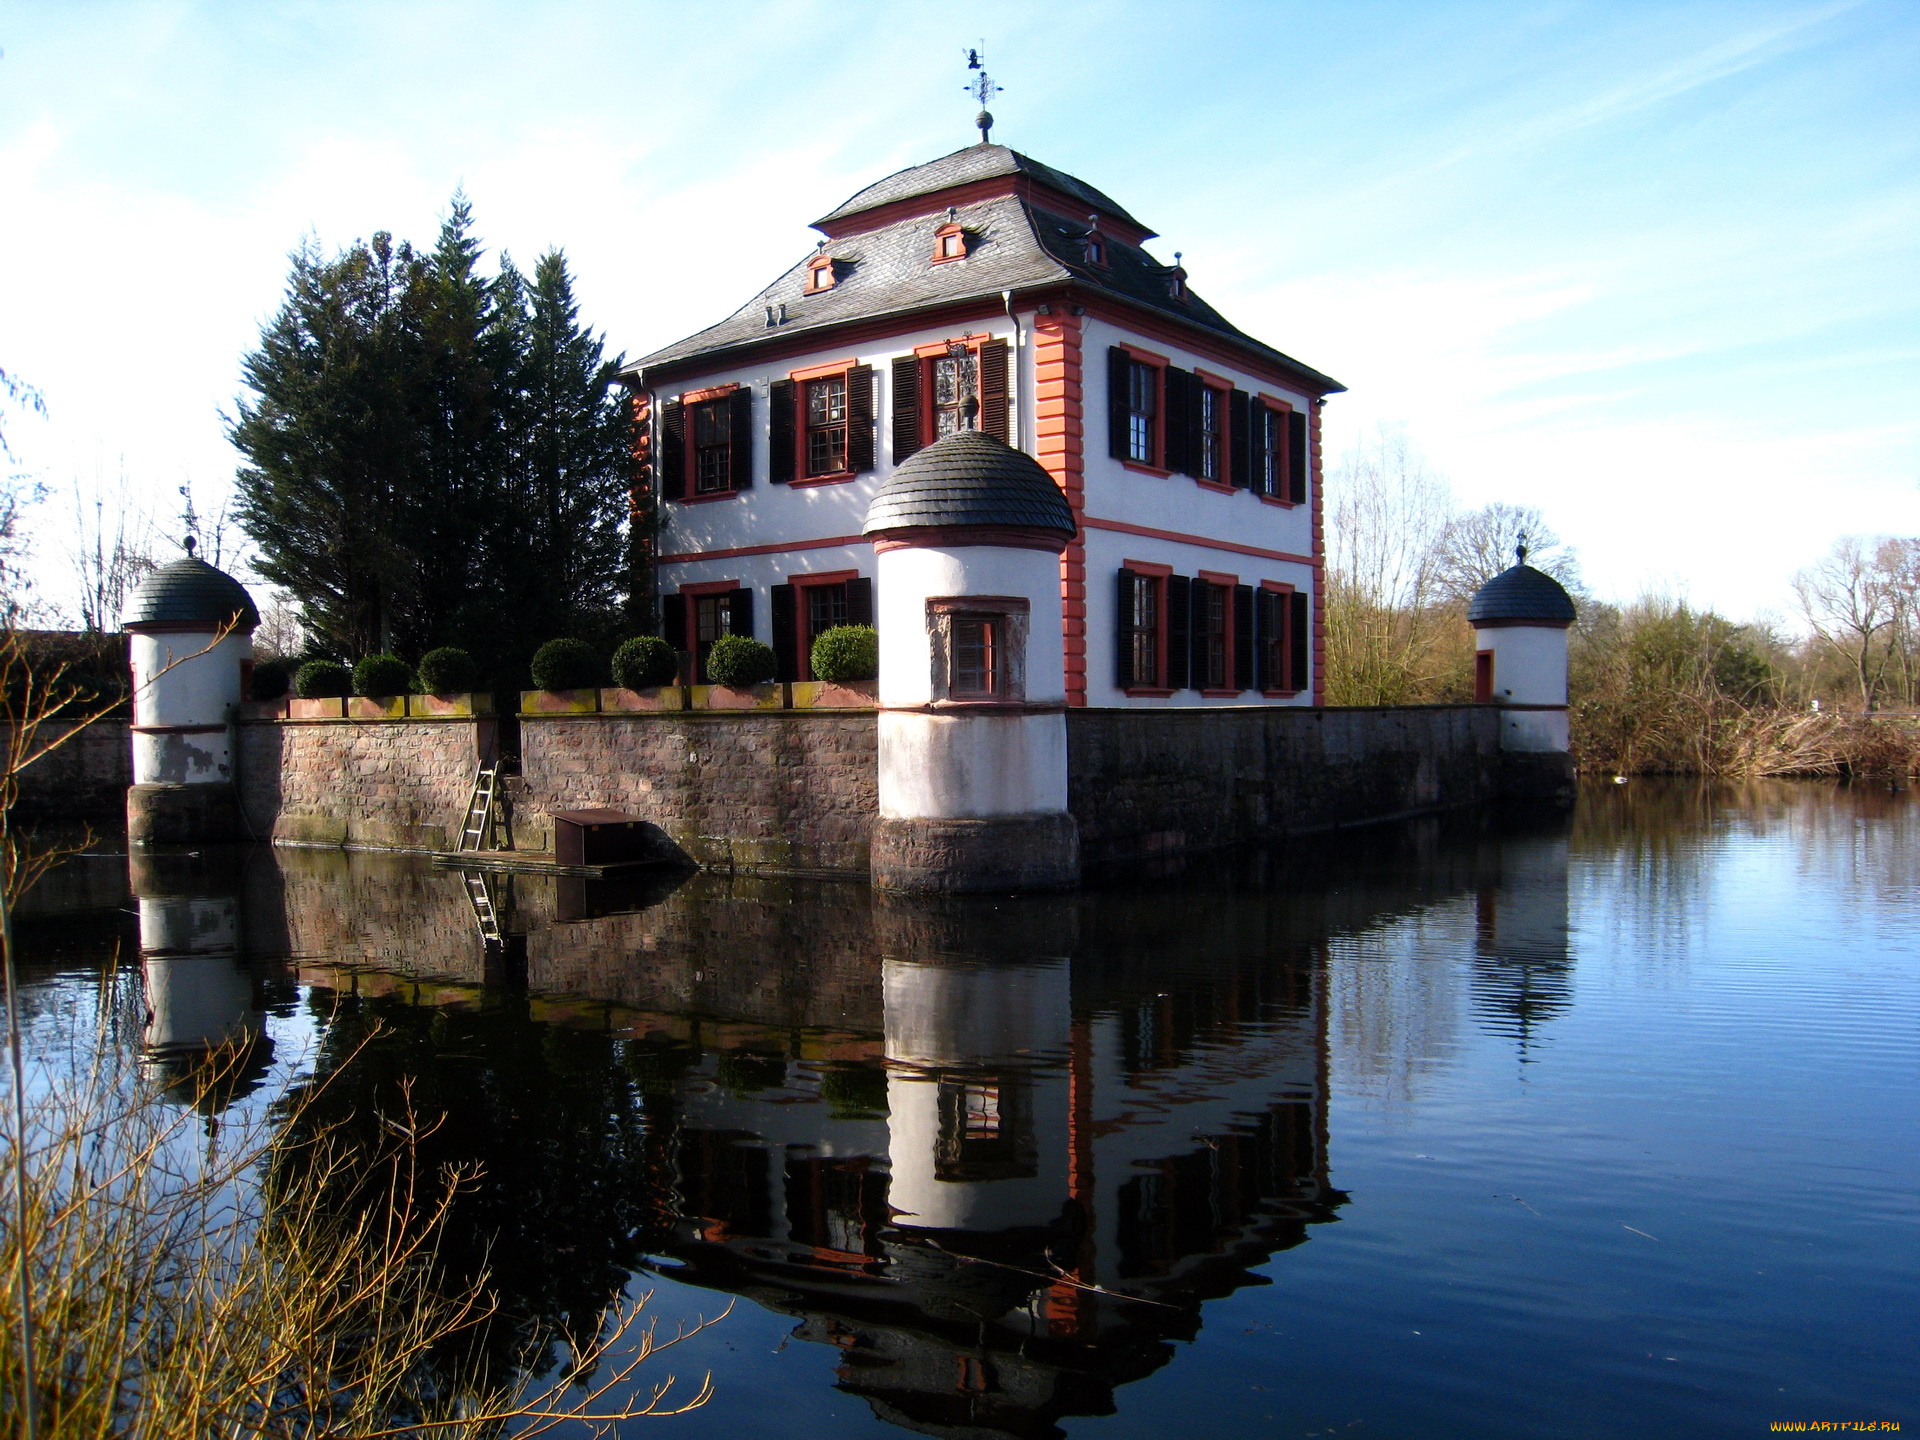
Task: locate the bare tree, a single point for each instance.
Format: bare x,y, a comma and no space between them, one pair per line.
1476,546
1850,599
112,551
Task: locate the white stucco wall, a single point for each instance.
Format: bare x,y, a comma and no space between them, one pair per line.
907,578
1529,668
971,765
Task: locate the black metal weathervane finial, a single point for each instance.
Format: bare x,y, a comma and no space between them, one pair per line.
982,89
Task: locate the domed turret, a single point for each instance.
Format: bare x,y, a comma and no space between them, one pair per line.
1521,595
192,648
1520,619
970,479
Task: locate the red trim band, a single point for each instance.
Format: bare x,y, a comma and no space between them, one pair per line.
1121,527
777,549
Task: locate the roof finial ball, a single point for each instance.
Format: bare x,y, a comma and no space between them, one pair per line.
1520,619
191,643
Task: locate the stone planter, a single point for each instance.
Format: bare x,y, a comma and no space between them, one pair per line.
264,709
640,702
720,697
559,702
473,703
328,707
827,695
377,707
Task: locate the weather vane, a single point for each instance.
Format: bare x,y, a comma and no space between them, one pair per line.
982,89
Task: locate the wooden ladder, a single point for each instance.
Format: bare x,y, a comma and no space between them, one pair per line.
477,829
483,907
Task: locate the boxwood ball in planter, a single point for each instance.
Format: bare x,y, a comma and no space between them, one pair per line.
568,665
447,671
846,653
322,680
738,663
382,675
644,662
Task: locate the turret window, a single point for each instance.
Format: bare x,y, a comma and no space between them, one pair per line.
979,648
976,670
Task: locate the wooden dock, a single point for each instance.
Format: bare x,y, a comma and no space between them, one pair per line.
532,862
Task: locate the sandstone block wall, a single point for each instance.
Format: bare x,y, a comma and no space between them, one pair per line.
373,784
794,792
1148,782
86,778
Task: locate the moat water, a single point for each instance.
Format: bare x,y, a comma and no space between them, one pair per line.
1492,1126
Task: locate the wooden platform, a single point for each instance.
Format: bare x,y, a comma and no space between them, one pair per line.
531,862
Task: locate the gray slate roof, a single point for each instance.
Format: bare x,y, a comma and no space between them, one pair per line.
190,592
1011,246
1522,593
963,167
969,478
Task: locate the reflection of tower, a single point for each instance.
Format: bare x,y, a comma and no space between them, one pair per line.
206,1041
1523,970
977,1122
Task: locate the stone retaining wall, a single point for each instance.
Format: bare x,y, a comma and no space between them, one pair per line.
369,784
86,778
1148,782
794,792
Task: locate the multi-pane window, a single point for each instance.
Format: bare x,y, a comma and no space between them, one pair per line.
976,661
712,447
1215,610
827,425
1209,439
1269,459
1277,662
826,608
1143,407
1145,669
956,392
712,616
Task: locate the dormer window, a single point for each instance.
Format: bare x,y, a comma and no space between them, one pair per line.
949,243
1177,279
820,275
1094,244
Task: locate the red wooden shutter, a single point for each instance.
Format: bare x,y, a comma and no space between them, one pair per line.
740,613
1119,372
1123,673
1296,457
740,439
1300,638
673,450
1243,638
906,407
1179,624
1239,445
786,638
780,446
860,419
993,389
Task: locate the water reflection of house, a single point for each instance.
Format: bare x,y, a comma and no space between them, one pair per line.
1522,968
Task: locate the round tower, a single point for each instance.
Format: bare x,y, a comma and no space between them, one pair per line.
192,649
1520,620
973,728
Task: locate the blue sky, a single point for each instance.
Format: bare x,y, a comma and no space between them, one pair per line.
1654,268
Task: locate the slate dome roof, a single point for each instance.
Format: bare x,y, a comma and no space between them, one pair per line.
1521,594
190,592
969,478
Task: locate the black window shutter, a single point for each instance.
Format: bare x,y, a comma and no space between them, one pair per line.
1123,675
1296,457
785,641
1243,636
1177,455
993,389
740,458
1179,631
860,600
1239,427
906,407
1200,610
860,419
780,451
673,450
1300,647
740,613
1119,372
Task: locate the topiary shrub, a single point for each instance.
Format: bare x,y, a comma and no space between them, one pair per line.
271,677
568,665
447,671
846,652
644,662
737,662
382,675
322,680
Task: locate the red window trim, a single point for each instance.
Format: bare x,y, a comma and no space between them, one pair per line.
690,622
820,265
811,580
710,392
1159,364
1483,677
939,238
1285,469
800,377
1227,583
928,355
1224,388
689,462
1281,587
1157,572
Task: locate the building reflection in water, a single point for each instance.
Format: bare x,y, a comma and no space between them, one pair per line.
997,1154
